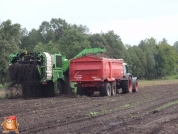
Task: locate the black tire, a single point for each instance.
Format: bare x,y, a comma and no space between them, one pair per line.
48,89
89,93
126,86
80,91
26,90
106,90
135,86
38,90
113,89
101,90
59,87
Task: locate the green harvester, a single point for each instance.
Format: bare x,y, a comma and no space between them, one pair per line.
44,74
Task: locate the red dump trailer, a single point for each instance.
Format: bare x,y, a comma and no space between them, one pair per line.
105,75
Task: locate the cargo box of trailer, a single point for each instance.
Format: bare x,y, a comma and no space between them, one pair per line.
93,73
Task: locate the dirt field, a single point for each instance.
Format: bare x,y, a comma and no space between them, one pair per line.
151,110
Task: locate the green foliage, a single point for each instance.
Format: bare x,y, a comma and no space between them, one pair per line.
167,57
49,47
114,47
111,41
72,43
10,38
148,59
171,77
137,61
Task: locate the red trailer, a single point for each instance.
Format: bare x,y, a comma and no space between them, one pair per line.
105,75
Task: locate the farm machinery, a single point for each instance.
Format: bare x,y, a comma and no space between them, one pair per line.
92,73
42,73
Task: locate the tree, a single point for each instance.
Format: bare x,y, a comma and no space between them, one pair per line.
114,45
97,40
46,32
137,61
25,39
149,48
72,43
49,47
166,58
10,38
59,26
176,46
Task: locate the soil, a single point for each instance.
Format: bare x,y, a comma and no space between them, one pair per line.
151,110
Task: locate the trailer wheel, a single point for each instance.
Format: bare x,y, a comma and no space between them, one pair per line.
107,89
101,90
127,86
113,89
89,93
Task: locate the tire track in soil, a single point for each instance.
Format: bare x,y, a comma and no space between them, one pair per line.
29,107
143,110
81,124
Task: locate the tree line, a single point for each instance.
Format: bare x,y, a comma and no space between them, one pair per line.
149,59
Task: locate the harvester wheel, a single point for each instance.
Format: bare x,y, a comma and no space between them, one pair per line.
127,86
60,87
80,91
48,89
38,90
113,86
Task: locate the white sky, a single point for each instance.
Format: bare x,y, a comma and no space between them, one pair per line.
132,20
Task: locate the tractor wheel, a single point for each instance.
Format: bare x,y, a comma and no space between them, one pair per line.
126,86
135,86
113,89
80,91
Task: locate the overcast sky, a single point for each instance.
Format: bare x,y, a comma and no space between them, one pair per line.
132,20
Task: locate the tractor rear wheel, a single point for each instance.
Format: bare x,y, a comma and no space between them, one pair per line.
126,86
135,86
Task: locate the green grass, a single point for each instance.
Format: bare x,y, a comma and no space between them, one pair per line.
171,77
145,83
164,106
2,86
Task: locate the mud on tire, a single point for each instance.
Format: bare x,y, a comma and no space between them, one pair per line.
113,89
80,91
126,86
105,90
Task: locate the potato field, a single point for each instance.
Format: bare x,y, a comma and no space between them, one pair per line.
151,110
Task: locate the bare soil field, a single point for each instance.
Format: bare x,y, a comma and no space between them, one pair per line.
151,110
